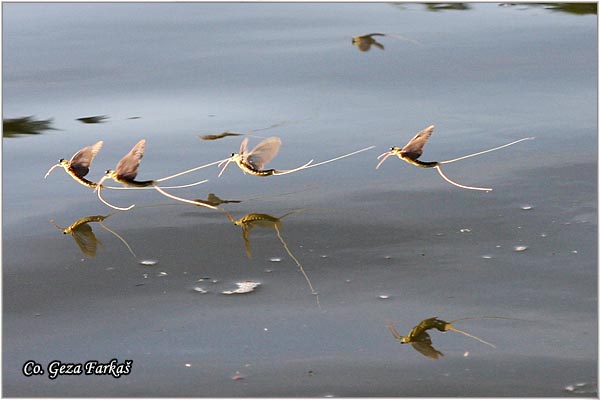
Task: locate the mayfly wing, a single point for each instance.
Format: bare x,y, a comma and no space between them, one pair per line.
414,148
127,167
243,146
426,348
85,239
80,162
264,152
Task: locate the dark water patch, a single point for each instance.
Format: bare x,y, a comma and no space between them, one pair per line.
14,127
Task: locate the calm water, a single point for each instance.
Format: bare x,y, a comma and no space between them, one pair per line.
396,244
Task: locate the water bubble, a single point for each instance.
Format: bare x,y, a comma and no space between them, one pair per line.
200,290
526,207
275,259
520,248
188,365
148,263
243,287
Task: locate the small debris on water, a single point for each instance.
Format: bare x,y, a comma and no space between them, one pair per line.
237,377
324,256
487,256
544,235
520,248
243,287
383,296
582,388
574,251
188,365
275,259
162,273
465,230
148,263
200,290
268,271
466,354
527,207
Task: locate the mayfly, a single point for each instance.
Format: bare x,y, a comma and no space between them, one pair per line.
126,172
79,165
420,339
84,236
254,161
414,149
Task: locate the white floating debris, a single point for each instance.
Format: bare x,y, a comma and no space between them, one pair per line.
520,248
526,207
200,290
162,273
582,388
383,296
465,230
324,255
148,263
544,235
487,256
268,271
243,287
275,259
188,365
574,251
466,354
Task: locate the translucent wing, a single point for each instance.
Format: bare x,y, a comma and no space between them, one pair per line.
414,148
425,347
264,152
127,167
243,146
85,239
80,162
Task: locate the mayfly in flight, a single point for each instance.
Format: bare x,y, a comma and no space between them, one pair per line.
413,150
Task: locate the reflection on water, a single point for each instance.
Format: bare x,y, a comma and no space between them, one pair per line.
420,340
214,200
252,220
13,127
96,119
447,6
364,42
219,135
84,236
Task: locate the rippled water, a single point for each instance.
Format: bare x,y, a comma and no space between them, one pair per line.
339,250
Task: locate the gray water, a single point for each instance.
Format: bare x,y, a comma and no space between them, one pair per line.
397,244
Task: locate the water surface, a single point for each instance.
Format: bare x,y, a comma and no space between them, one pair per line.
395,244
